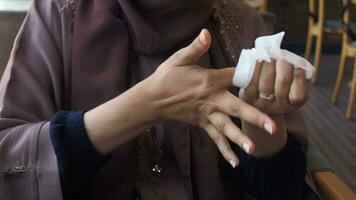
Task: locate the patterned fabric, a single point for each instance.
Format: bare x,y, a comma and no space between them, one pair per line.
229,28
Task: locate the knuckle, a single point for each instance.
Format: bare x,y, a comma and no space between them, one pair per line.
179,55
299,74
208,80
217,138
200,121
206,108
267,79
267,75
196,45
299,98
235,109
220,123
284,81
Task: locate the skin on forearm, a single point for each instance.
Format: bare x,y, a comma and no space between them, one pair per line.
119,120
266,144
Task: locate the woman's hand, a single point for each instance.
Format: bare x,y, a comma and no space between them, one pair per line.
178,90
277,88
182,90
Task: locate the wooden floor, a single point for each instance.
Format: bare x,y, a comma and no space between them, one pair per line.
329,128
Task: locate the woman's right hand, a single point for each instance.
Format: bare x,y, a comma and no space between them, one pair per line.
181,90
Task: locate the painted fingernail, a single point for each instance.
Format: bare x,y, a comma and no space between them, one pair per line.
268,128
246,147
232,163
202,37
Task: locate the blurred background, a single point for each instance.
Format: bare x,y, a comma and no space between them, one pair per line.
12,13
329,112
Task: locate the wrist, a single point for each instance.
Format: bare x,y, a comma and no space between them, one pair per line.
144,99
266,144
157,101
119,120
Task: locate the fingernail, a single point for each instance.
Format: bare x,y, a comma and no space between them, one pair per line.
268,127
232,163
246,147
202,37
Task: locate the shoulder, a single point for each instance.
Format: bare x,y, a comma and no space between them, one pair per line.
51,12
49,6
51,18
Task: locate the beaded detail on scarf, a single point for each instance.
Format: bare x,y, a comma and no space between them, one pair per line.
150,164
229,27
70,7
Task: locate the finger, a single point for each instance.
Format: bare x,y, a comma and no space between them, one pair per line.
235,107
298,90
224,124
223,145
256,75
221,78
251,90
284,78
190,54
267,77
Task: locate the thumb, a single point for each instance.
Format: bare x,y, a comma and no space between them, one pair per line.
191,54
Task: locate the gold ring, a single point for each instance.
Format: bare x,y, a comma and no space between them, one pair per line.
265,96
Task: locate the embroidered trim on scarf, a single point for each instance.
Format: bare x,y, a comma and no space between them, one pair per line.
70,7
229,28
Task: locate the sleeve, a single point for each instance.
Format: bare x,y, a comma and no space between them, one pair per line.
280,176
30,93
78,160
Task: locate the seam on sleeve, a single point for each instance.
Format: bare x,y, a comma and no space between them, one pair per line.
48,181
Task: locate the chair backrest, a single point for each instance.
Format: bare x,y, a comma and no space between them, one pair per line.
348,34
316,15
260,5
264,5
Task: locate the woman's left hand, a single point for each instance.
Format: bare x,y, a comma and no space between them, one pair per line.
277,88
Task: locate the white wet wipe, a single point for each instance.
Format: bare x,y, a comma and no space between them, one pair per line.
266,48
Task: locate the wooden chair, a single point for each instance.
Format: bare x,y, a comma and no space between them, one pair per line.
259,5
331,187
318,27
328,184
348,50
